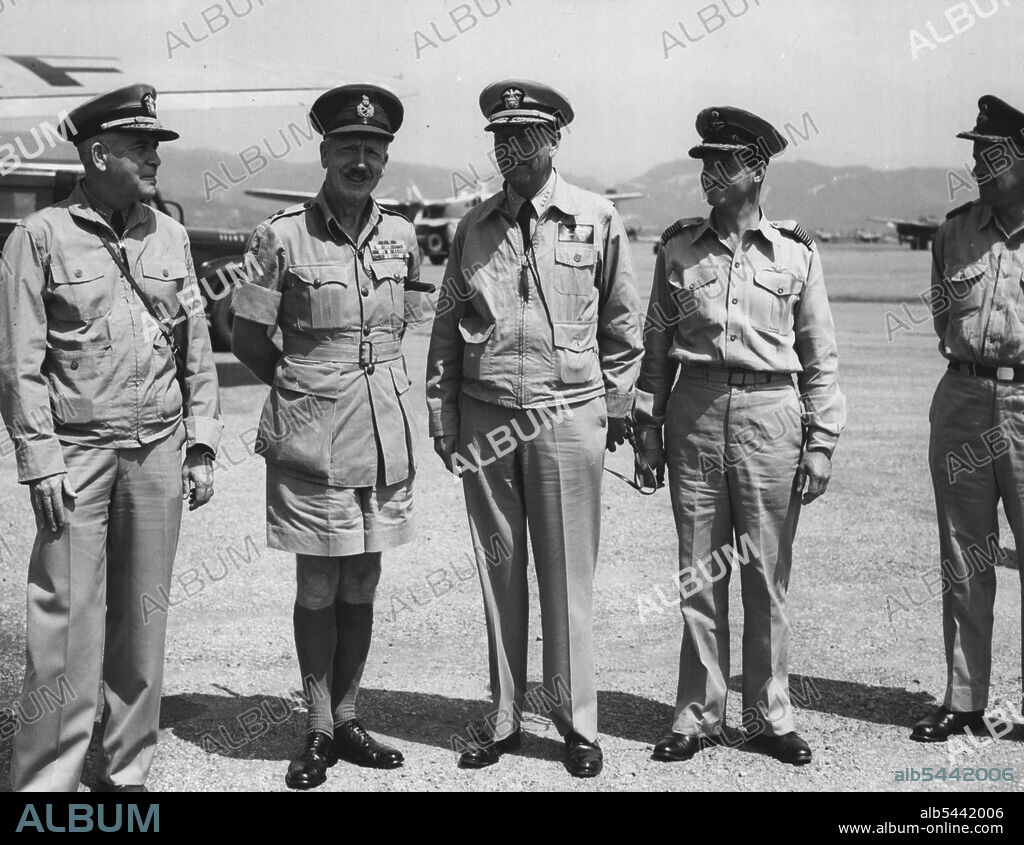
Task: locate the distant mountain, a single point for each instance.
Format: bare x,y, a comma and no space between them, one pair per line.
839,199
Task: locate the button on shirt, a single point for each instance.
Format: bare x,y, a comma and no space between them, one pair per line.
338,303
81,359
762,307
978,289
533,327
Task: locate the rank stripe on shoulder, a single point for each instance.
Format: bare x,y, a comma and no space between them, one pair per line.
677,227
290,210
959,210
795,231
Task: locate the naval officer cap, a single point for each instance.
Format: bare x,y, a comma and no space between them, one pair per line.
725,129
366,109
997,121
521,102
128,109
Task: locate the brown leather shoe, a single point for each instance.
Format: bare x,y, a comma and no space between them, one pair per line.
675,747
479,755
583,759
789,748
942,723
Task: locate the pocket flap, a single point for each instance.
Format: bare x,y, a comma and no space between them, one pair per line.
575,255
164,270
316,275
390,268
475,329
72,271
316,378
970,272
401,380
693,278
575,336
778,282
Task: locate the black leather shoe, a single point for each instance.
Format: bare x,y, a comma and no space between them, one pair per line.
941,723
487,753
583,759
789,748
353,743
309,769
675,748
104,786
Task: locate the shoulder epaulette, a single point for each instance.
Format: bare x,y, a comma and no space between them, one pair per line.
959,210
677,227
386,210
795,231
289,211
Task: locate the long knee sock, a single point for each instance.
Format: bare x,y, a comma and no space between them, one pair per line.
355,628
316,638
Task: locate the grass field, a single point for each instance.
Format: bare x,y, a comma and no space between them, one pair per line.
864,668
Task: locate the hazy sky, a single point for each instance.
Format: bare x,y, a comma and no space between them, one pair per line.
875,94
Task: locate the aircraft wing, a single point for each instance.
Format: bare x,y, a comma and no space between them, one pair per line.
619,196
302,196
910,227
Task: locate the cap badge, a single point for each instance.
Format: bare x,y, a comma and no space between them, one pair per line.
365,108
716,121
512,97
149,104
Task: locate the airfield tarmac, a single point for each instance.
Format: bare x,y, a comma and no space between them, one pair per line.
864,667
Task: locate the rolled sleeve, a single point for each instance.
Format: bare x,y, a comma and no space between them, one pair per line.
258,299
619,335
201,395
444,358
823,403
24,392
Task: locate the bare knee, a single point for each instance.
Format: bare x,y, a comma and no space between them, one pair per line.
359,577
316,580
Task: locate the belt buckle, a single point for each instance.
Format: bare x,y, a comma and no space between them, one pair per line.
737,379
1004,373
366,355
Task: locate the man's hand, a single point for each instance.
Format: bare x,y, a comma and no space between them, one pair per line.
445,448
47,501
618,431
815,471
197,477
653,452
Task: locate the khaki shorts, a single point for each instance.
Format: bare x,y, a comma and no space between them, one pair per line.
305,517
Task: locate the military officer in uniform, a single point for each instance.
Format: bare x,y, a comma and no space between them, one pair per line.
538,311
978,310
738,310
99,409
335,275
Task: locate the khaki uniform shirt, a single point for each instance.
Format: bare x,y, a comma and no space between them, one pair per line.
761,308
978,288
330,418
532,328
81,358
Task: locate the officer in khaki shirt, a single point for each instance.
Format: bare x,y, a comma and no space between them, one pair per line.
339,276
976,450
533,355
98,414
738,309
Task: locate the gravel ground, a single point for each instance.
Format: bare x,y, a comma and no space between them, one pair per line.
864,668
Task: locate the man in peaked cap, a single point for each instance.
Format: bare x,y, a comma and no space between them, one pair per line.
537,315
977,264
340,277
106,371
738,392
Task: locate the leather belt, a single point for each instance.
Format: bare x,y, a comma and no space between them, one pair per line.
365,353
734,377
980,370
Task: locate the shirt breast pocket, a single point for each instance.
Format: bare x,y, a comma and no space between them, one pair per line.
161,281
696,292
476,332
575,269
390,275
772,298
80,291
966,287
324,296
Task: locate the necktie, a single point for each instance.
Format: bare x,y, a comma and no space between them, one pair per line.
117,223
525,219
